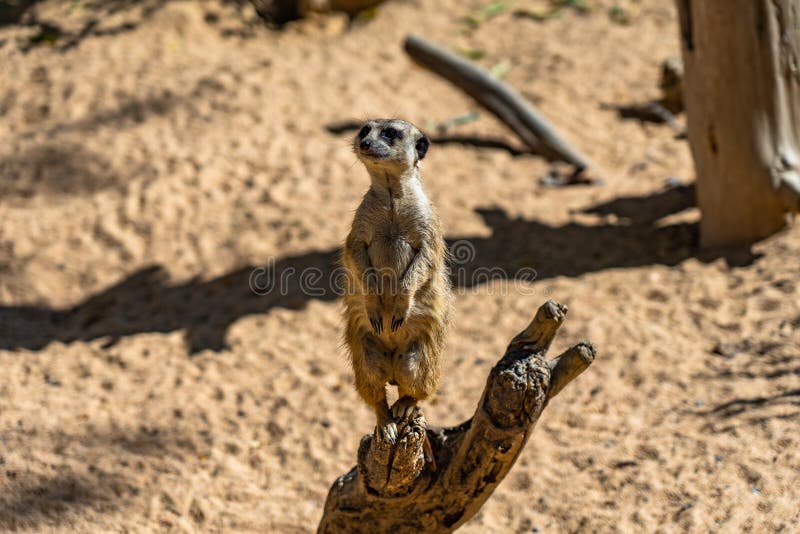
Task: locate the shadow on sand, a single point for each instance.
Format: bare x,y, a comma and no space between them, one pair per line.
146,302
34,501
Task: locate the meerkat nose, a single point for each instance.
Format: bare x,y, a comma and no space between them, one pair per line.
365,144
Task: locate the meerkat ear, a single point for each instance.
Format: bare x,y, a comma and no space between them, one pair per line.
422,146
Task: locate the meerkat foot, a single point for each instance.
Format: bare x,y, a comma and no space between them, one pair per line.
400,311
386,431
404,407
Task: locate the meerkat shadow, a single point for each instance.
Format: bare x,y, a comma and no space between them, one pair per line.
146,300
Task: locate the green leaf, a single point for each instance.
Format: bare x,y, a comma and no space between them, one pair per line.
47,35
578,5
538,15
619,15
500,70
472,53
366,15
485,13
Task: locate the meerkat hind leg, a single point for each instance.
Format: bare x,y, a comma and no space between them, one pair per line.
375,396
411,388
373,390
405,407
386,428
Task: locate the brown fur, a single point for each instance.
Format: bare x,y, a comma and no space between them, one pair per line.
397,304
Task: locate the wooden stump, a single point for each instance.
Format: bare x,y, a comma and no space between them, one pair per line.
742,96
392,490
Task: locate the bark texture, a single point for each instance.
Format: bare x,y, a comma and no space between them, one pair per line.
391,489
742,96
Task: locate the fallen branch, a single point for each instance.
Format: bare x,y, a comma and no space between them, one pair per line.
650,112
503,101
391,490
663,110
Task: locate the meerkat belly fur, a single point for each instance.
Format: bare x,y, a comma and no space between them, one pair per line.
398,299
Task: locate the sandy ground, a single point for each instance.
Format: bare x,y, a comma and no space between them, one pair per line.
147,168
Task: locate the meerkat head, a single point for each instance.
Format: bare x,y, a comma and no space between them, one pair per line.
391,145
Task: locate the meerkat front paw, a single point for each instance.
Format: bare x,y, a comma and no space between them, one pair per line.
400,310
374,309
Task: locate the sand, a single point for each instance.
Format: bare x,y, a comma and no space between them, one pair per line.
149,167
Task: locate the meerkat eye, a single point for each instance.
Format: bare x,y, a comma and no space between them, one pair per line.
390,133
364,131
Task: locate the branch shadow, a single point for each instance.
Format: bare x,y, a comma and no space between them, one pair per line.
752,411
737,406
773,358
750,359
146,302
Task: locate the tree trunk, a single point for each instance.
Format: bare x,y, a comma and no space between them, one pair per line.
742,94
392,490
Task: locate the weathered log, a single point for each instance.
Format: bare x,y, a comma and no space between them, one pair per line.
392,490
742,96
500,99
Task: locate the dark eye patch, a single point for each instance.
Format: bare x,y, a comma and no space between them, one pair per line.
364,131
390,133
422,146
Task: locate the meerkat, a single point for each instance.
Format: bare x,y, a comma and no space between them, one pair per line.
398,301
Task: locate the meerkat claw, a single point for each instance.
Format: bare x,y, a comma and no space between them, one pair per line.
404,408
387,432
377,325
397,323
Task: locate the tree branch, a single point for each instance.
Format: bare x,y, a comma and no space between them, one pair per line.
503,101
392,490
